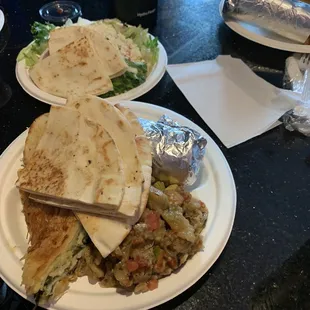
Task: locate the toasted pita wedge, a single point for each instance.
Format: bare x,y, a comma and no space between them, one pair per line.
98,228
120,130
145,154
56,238
114,64
74,69
105,233
132,118
126,46
55,235
60,37
76,165
35,133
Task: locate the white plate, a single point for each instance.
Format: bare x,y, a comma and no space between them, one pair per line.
1,20
215,187
264,37
23,78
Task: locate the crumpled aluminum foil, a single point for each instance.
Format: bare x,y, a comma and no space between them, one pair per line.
288,18
177,150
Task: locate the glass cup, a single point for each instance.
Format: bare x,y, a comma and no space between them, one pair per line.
58,12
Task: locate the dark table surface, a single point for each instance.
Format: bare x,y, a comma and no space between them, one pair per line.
266,263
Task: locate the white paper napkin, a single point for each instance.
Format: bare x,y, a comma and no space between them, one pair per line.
233,101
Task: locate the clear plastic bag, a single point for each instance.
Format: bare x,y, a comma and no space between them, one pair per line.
297,79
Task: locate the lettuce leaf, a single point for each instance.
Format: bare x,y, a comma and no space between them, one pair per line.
135,76
33,51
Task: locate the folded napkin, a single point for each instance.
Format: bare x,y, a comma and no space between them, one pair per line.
233,101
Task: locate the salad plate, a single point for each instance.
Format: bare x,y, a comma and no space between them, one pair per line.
215,186
1,20
154,53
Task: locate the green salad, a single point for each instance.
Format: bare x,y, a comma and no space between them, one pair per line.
137,38
129,80
32,52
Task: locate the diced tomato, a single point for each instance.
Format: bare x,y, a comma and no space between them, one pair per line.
172,262
187,196
152,284
152,221
142,262
132,265
137,241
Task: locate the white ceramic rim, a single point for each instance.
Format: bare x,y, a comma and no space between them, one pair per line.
1,20
266,41
23,78
219,184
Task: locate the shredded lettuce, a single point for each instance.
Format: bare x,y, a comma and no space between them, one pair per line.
33,51
129,80
140,36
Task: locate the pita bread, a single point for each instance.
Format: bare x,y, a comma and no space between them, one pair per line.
98,228
74,69
126,46
60,37
35,133
105,233
132,118
53,232
76,165
120,130
107,52
113,62
145,155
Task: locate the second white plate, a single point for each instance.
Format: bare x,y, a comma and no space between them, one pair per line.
215,187
1,20
22,75
263,36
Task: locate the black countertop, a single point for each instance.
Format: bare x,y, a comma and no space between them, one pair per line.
266,263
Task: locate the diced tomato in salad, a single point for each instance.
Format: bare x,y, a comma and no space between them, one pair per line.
152,284
137,241
141,261
152,221
172,262
132,265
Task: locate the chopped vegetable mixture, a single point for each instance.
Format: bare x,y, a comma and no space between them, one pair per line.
167,235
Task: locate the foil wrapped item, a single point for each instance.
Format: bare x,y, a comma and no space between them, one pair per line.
287,18
177,150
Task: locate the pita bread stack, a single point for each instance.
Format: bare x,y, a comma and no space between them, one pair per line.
81,61
92,158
